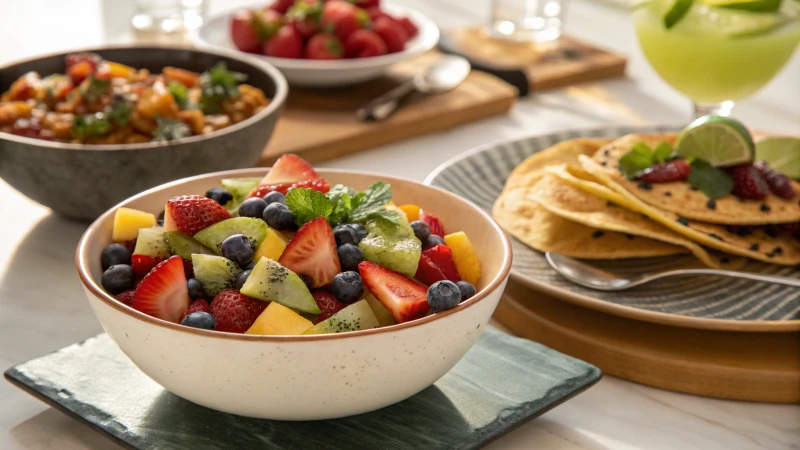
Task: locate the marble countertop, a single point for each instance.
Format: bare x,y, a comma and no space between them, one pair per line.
43,308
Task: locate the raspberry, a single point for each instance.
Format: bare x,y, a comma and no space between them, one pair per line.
667,172
778,183
198,305
234,311
747,182
317,185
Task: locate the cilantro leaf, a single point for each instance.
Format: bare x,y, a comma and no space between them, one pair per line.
119,112
218,84
179,93
639,158
342,199
662,152
713,182
91,125
372,200
95,89
169,129
307,204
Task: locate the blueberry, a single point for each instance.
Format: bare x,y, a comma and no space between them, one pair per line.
240,280
115,254
250,266
432,240
361,232
201,319
238,249
252,207
467,289
195,289
275,197
347,287
443,295
219,195
350,256
118,278
345,234
421,230
278,216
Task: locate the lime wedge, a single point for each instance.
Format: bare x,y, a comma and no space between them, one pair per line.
676,12
720,141
746,5
782,154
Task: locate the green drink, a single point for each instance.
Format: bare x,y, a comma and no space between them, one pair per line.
716,55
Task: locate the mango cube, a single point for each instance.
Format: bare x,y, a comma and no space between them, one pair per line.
127,223
411,212
272,247
279,320
467,262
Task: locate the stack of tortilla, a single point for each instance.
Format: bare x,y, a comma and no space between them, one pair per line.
573,199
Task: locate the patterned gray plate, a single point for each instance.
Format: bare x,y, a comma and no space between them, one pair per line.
697,302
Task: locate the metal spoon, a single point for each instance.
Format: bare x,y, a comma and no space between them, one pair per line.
444,75
602,280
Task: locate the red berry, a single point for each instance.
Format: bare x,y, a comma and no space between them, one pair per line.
126,297
405,298
364,43
304,17
192,213
667,172
142,264
436,225
312,252
188,269
287,43
234,311
747,182
163,293
244,33
327,303
289,168
368,3
436,264
409,26
375,12
778,183
317,185
392,34
324,46
199,305
281,6
342,18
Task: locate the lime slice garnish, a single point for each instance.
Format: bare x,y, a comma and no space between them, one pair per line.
720,141
746,5
782,154
676,12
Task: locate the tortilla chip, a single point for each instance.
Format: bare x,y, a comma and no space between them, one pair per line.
758,243
537,227
577,205
679,197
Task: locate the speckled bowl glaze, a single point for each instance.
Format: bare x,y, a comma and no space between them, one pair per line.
82,181
303,377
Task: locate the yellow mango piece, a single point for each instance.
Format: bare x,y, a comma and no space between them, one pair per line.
272,247
385,318
411,211
127,222
467,262
277,319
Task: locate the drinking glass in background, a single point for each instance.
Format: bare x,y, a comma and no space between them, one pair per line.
718,51
168,16
527,20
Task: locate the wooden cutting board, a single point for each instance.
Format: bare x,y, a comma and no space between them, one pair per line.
320,124
752,366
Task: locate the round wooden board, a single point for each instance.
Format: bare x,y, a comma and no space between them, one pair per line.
762,367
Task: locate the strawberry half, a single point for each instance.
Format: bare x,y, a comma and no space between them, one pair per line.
199,305
290,169
141,264
192,213
436,264
162,292
405,298
436,225
234,311
317,185
327,303
312,252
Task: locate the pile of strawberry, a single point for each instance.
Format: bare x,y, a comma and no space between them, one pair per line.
321,29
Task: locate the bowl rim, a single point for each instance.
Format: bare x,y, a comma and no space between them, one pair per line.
420,46
82,266
276,102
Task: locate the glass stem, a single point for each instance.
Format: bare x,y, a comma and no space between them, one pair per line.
715,109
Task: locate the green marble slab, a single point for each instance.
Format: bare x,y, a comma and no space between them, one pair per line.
501,383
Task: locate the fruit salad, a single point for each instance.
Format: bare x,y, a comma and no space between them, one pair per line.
321,29
288,254
104,102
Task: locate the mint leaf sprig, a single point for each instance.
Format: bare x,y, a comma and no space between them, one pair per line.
343,204
714,182
641,157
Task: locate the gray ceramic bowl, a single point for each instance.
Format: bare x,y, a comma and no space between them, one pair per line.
82,181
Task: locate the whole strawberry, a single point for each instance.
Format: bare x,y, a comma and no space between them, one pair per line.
234,311
667,172
199,305
778,183
748,183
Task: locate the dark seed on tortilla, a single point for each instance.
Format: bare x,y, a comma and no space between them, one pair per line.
741,231
769,231
597,234
777,250
629,236
645,186
606,152
715,236
603,163
724,260
611,204
754,247
770,255
668,194
711,204
692,188
683,221
765,207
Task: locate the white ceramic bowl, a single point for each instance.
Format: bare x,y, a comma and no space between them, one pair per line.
327,73
302,377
